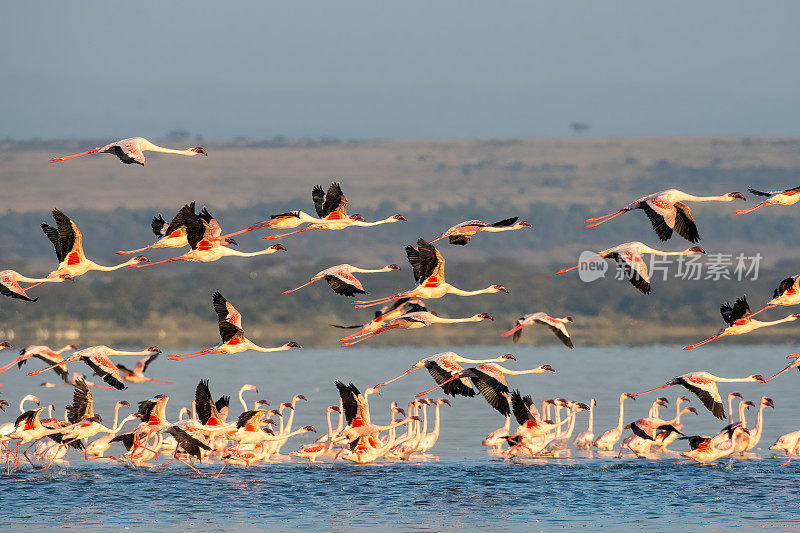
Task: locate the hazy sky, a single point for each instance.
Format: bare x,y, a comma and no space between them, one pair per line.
443,68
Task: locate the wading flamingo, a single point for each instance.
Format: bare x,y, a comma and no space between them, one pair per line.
608,439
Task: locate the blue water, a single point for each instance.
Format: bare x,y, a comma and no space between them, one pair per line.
465,489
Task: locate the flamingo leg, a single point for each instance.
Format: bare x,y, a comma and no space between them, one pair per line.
149,380
512,330
410,370
693,346
578,266
270,237
140,265
651,390
457,376
12,363
301,286
32,286
178,357
224,464
785,369
363,304
126,252
37,372
65,157
684,462
257,225
763,309
743,211
593,222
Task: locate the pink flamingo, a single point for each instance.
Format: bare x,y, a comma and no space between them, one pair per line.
340,278
556,325
787,197
137,374
10,284
413,320
667,212
172,235
132,150
461,234
44,353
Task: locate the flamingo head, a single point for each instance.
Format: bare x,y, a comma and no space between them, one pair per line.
400,217
199,150
32,398
66,277
334,409
7,345
124,402
309,428
796,315
547,368
663,402
768,402
286,406
500,288
758,377
247,386
278,247
162,397
525,223
735,395
140,259
259,403
300,397
484,316
154,349
582,406
393,267
749,404
3,405
357,217
229,240
372,391
691,410
695,250
292,344
569,319
734,195
415,417
629,395
507,356
443,400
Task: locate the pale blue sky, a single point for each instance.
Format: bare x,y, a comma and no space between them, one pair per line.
445,68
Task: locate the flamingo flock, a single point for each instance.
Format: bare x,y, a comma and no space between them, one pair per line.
205,430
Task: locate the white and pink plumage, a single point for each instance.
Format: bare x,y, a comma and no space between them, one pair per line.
132,150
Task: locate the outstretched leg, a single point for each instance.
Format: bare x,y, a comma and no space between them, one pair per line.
593,222
65,157
743,211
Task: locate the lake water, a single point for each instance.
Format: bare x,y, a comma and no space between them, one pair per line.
466,488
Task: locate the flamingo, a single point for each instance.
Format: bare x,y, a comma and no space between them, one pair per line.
289,220
787,197
608,439
556,325
100,445
8,427
45,354
28,428
173,235
667,212
704,386
137,374
490,380
203,235
132,150
315,449
97,357
387,313
331,207
443,366
429,439
584,439
787,293
754,436
413,320
68,242
649,429
496,438
739,320
731,396
531,434
788,443
629,258
705,449
248,387
232,334
10,284
561,443
341,280
461,233
794,364
72,380
428,267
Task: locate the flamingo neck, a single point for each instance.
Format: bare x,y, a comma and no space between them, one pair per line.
621,410
377,222
591,417
460,292
682,196
224,250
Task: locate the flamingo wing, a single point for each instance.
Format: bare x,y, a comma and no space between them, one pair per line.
226,311
250,417
69,236
492,390
143,363
709,396
187,443
521,407
344,284
334,201
10,287
52,235
457,387
107,371
61,369
459,240
82,402
660,220
635,270
129,151
741,309
184,217
559,330
159,226
505,223
758,193
785,285
228,331
685,224
424,260
349,401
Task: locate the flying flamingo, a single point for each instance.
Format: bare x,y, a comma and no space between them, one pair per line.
667,212
787,293
131,151
428,267
203,235
795,364
739,320
45,354
787,197
340,278
556,325
68,242
414,320
10,284
172,235
704,386
490,380
442,366
97,357
608,439
332,210
629,258
705,449
232,334
74,379
137,374
461,234
387,313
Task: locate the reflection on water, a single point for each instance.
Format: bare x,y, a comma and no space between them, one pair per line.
466,489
